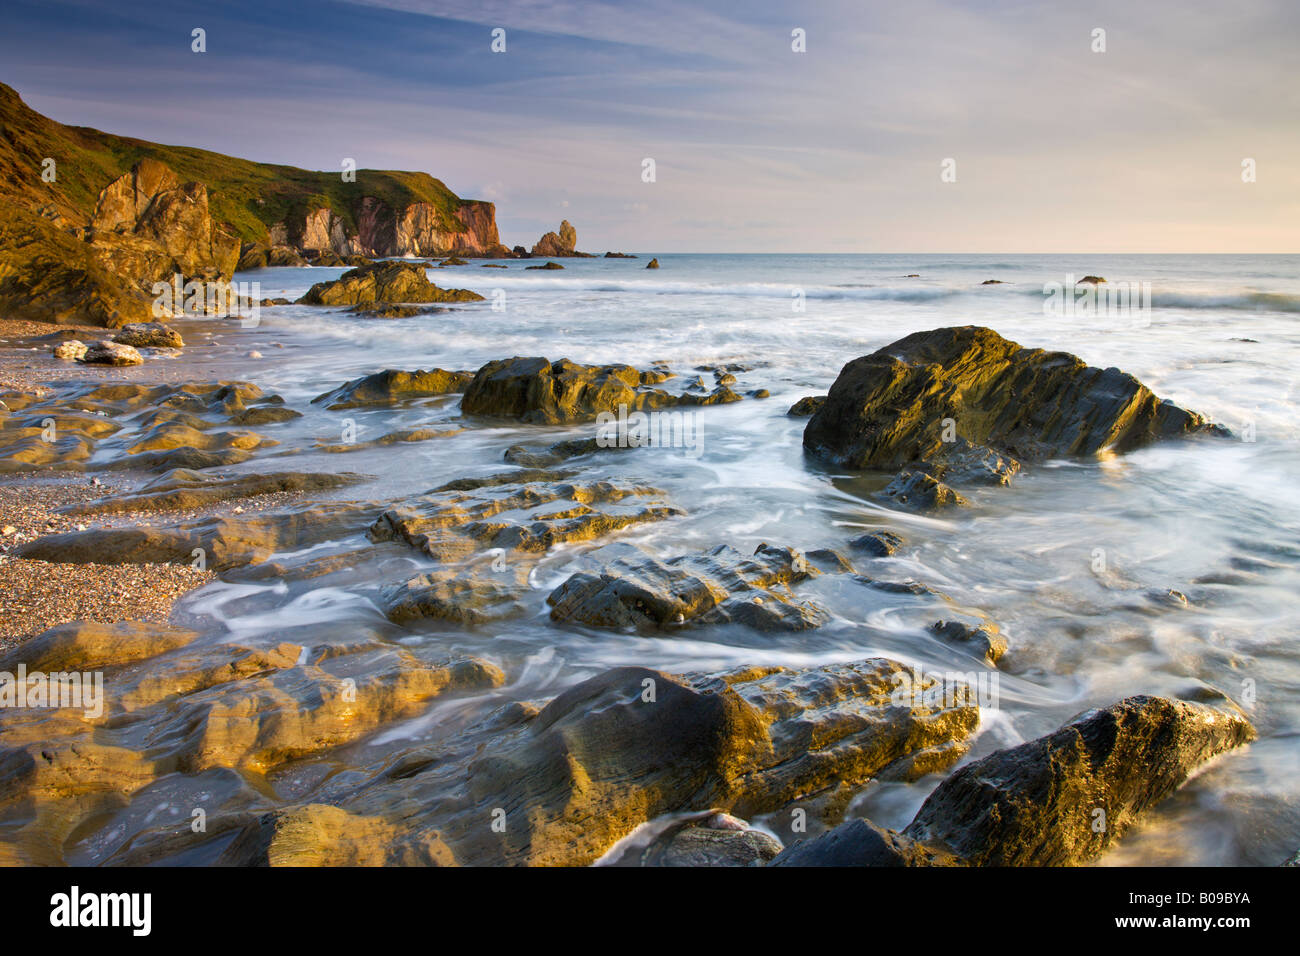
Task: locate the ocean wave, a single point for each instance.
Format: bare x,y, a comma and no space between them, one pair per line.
918,291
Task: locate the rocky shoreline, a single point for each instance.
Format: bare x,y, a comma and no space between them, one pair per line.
296,747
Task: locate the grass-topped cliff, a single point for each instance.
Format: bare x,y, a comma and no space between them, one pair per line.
244,196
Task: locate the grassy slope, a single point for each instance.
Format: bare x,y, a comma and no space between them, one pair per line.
89,160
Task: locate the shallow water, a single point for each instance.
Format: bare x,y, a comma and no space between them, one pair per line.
1218,521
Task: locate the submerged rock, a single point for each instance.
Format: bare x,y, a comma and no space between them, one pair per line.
966,399
983,639
387,310
391,386
716,587
918,491
387,281
1060,800
549,265
536,391
878,544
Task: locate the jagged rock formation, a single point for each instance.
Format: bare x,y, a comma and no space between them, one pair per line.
149,225
1060,800
554,246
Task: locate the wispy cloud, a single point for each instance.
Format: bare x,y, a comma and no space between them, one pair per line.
757,147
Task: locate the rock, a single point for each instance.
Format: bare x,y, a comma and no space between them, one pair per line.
862,843
631,745
536,391
48,275
535,456
1090,280
389,282
992,282
454,261
391,386
184,490
328,259
468,597
549,265
70,351
226,542
521,512
652,264
1042,803
553,245
829,561
618,255
90,646
111,353
808,405
195,713
150,225
894,408
1293,860
878,544
918,491
391,438
719,586
494,265
387,310
985,639
151,335
704,844
285,257
252,255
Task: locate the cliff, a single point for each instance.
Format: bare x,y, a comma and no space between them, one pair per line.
144,211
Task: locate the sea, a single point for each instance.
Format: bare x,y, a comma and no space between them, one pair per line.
1073,562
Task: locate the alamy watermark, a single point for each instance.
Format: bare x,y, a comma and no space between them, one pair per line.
1095,298
214,298
667,429
919,690
57,690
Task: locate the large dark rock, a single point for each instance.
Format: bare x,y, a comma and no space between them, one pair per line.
1060,800
887,410
536,391
400,282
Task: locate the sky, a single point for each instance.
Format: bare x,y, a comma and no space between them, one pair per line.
756,147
